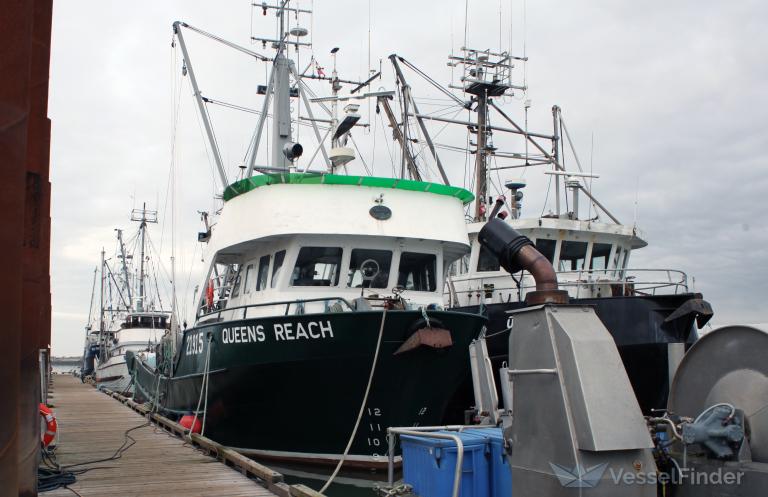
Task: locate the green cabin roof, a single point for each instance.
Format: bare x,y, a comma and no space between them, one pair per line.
248,184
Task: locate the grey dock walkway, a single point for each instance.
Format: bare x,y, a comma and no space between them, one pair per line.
92,426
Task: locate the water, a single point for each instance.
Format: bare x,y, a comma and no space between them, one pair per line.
63,368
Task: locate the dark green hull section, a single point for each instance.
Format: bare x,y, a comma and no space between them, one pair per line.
291,386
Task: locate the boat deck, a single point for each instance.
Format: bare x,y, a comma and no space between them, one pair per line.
92,426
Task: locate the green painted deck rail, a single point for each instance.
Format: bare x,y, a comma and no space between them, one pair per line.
248,184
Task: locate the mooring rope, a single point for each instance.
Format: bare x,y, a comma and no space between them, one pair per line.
362,406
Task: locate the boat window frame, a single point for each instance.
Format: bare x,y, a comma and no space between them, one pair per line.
263,270
607,257
554,241
618,257
625,264
247,279
276,267
437,270
335,278
573,262
348,266
489,256
235,291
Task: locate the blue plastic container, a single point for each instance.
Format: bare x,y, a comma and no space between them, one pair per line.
500,473
429,465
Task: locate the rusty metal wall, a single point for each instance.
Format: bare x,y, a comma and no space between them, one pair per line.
25,31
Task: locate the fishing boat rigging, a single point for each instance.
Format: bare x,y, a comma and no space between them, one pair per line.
131,317
652,313
322,292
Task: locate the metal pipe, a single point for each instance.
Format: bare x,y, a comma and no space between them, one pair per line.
399,136
254,148
540,268
444,436
513,372
489,127
556,156
226,42
201,106
391,456
304,98
516,253
407,90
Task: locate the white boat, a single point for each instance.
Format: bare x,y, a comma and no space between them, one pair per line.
132,322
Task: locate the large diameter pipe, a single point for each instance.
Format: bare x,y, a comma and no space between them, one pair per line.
516,253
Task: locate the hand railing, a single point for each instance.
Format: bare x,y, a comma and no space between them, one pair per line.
427,432
300,303
631,281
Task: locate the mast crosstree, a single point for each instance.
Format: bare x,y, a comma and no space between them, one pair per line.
142,216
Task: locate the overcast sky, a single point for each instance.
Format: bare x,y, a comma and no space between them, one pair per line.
672,93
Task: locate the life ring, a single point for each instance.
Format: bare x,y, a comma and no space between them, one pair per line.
49,418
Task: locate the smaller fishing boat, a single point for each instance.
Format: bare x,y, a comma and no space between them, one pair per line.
133,323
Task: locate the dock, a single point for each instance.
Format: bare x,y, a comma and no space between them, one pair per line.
92,426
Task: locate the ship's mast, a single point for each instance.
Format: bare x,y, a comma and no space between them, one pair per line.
90,307
486,75
284,150
481,166
102,325
143,216
280,88
125,266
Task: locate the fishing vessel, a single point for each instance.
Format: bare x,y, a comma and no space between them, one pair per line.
652,313
321,304
129,318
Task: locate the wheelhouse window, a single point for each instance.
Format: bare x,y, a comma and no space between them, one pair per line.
157,322
547,248
625,264
600,254
617,258
317,266
263,275
460,266
247,281
369,268
572,255
417,272
236,285
279,258
486,261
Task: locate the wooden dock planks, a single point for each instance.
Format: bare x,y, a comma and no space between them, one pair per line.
92,426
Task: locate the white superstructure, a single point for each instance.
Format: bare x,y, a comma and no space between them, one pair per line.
591,259
302,243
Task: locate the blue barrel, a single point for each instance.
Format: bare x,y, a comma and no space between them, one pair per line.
500,472
429,465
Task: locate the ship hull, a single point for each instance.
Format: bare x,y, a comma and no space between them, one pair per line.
113,375
638,324
275,391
